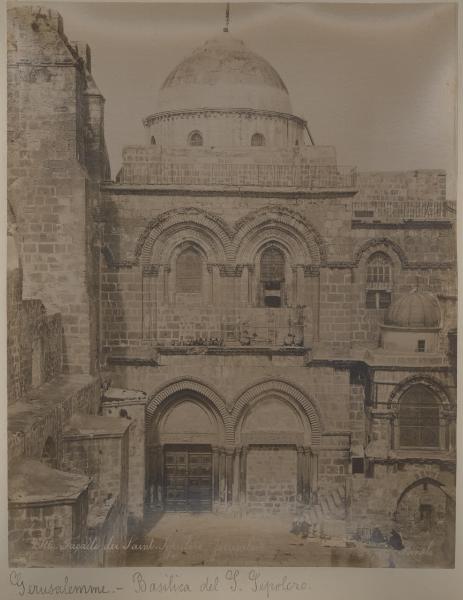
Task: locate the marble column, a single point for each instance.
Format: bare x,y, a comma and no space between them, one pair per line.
229,464
242,471
314,476
306,476
222,476
300,473
215,475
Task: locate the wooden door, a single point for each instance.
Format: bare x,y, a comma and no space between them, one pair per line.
188,479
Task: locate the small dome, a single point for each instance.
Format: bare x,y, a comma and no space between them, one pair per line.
223,73
415,310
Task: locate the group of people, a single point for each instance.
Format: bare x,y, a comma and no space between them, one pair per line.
305,529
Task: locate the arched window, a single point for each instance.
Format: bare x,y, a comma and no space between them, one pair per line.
419,418
379,281
257,140
153,140
272,276
195,138
49,453
189,272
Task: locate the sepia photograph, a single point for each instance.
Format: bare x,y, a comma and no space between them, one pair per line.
231,285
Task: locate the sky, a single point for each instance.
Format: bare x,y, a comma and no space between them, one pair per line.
378,82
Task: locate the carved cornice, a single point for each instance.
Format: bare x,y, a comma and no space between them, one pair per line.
150,270
311,271
430,224
226,112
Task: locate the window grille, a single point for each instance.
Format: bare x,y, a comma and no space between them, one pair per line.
421,346
419,419
358,466
272,276
195,138
379,281
378,299
379,272
257,140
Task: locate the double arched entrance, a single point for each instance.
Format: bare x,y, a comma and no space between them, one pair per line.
257,454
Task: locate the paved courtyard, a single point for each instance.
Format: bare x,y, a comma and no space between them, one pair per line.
180,539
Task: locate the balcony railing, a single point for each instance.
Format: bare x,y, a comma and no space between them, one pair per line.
258,175
247,326
399,210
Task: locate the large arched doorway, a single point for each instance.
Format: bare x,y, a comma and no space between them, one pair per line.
425,516
183,466
278,466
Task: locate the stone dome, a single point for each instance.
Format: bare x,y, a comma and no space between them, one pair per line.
415,310
223,73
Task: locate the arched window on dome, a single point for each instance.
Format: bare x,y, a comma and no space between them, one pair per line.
272,277
153,140
378,281
189,272
195,138
419,418
257,140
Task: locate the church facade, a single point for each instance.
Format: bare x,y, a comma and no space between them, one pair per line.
258,330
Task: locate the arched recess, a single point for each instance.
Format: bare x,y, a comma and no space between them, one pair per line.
426,510
186,433
277,425
196,389
176,291
287,226
433,384
446,413
211,227
287,393
385,245
301,244
169,239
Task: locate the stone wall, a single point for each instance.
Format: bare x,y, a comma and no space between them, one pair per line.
135,468
271,479
374,499
14,300
43,535
48,187
333,286
102,458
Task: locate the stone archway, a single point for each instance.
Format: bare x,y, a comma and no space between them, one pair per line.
277,434
425,516
185,455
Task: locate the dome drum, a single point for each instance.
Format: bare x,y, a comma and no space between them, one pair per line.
221,128
228,94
